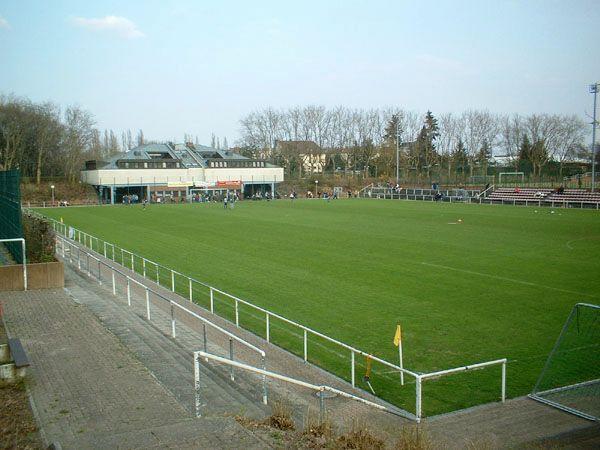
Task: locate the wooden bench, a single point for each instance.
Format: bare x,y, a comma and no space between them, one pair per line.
18,361
18,353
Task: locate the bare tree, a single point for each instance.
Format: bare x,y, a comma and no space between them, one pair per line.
77,139
140,138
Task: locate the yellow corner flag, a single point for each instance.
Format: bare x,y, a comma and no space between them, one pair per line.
398,336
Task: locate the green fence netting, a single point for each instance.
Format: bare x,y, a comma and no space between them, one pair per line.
11,225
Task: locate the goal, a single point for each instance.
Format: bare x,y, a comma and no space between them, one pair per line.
570,379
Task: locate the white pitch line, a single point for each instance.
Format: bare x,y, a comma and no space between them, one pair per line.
579,239
512,280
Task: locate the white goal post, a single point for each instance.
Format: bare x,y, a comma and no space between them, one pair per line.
520,175
570,379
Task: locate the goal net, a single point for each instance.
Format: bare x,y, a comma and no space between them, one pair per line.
570,379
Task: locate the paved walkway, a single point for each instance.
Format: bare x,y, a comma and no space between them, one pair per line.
89,391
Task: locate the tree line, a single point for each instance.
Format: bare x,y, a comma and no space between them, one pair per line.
456,145
44,140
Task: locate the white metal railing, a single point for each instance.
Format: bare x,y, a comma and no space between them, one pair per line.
320,389
484,192
110,251
23,249
61,249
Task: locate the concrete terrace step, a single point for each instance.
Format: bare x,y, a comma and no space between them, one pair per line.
169,362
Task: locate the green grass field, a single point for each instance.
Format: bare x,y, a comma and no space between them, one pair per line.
498,284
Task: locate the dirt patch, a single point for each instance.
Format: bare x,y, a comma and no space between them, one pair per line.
18,429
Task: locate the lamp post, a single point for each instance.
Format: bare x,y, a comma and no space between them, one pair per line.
52,187
594,90
398,152
316,184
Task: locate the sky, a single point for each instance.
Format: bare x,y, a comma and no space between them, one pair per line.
197,67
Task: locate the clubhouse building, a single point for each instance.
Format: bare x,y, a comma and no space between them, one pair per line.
177,172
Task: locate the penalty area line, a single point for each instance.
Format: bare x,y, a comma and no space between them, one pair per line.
512,280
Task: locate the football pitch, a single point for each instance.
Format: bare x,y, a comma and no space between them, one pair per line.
467,283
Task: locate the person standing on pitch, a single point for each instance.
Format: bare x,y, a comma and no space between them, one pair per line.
225,201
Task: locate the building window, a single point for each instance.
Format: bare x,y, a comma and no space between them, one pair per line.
164,165
145,165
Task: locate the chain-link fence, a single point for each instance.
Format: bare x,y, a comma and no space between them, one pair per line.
11,225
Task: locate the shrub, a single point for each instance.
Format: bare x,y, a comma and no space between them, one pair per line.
39,239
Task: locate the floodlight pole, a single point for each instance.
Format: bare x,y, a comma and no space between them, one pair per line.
594,90
52,187
398,151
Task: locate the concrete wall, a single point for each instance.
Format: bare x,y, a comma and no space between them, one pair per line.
39,276
136,177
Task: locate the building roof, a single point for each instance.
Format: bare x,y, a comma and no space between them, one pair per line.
188,154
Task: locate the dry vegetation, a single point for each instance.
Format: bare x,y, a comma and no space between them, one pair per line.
280,428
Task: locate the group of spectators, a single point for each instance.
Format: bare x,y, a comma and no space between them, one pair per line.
130,199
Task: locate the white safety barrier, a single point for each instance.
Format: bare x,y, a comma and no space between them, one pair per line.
319,389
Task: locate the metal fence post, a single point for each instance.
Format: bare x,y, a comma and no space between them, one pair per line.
99,274
144,267
113,282
172,281
264,379
78,258
157,275
353,379
231,374
212,301
148,304
105,249
305,346
132,264
503,381
267,323
322,405
88,265
418,399
204,338
197,384
237,315
113,251
191,291
122,258
172,321
128,293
